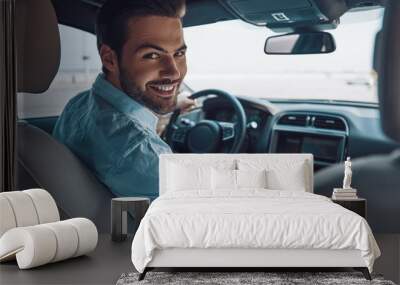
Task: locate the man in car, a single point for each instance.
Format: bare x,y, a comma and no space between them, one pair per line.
112,126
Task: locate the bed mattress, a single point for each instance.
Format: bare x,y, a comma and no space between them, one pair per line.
251,219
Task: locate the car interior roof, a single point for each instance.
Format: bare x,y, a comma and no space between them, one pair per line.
81,14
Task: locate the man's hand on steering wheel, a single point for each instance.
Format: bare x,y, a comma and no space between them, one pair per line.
209,136
185,103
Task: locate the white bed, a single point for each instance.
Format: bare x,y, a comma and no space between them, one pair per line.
205,220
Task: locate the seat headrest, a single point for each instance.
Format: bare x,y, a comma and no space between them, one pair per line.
38,45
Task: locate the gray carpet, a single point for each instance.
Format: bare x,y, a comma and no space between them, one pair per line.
243,278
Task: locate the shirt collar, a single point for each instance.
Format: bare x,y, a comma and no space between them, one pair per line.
123,102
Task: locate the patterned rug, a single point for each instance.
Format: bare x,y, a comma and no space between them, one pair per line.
244,278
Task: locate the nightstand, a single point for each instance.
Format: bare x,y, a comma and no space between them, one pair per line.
124,208
358,206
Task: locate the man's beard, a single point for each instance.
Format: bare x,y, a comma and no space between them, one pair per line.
155,104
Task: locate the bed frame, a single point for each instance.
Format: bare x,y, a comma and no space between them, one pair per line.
256,258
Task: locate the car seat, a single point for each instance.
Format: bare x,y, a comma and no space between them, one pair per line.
42,161
376,177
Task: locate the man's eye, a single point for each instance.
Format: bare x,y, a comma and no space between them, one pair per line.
180,53
152,55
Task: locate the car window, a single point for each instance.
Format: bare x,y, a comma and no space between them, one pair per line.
230,56
79,66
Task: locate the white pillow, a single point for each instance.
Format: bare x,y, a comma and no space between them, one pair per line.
186,178
283,173
230,180
251,178
278,180
223,179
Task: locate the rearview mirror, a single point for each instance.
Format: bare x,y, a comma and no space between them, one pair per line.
300,43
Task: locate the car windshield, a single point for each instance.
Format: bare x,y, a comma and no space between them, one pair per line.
230,56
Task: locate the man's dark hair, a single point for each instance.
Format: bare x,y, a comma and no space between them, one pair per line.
113,16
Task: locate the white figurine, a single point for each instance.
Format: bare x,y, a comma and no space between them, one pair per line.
347,174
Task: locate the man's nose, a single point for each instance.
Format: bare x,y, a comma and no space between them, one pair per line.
170,69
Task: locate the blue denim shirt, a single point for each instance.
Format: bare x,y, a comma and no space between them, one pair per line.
115,137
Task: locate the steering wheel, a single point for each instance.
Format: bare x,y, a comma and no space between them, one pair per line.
208,136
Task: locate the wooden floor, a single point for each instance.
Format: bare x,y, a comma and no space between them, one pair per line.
110,260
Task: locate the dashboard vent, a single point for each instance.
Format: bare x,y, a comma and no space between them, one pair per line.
293,120
326,122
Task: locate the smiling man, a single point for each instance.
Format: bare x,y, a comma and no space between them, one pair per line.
112,126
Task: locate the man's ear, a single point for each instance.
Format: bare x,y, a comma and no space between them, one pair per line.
109,59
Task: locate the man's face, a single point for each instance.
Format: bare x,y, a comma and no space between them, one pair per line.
152,63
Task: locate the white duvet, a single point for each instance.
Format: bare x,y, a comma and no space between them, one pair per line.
250,219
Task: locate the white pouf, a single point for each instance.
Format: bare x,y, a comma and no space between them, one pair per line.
37,245
26,208
32,233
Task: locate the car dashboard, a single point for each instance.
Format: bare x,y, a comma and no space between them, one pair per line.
329,131
323,135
